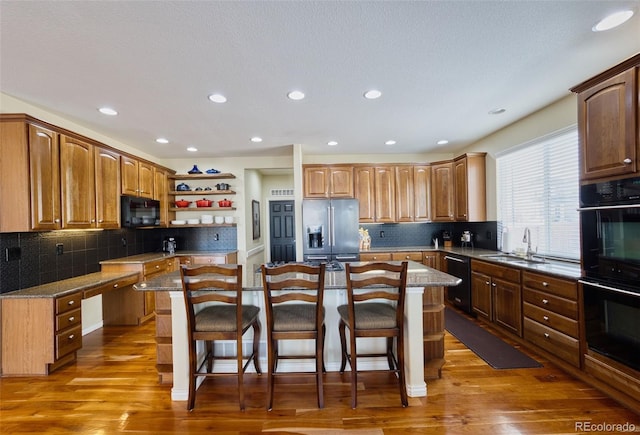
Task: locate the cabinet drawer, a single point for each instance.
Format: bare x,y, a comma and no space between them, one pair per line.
208,259
552,341
68,341
68,319
401,256
69,302
494,270
551,319
124,282
549,302
555,286
156,267
378,256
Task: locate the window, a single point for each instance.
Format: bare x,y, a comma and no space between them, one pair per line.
538,187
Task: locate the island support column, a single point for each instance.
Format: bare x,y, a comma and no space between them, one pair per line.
413,346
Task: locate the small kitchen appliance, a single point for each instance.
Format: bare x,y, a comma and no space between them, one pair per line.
169,245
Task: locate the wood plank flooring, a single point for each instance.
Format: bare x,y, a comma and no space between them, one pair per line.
113,389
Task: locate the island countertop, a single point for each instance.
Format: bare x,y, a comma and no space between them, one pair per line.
418,275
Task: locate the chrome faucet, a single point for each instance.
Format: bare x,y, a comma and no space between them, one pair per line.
527,239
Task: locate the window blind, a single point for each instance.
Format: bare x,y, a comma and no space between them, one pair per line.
538,188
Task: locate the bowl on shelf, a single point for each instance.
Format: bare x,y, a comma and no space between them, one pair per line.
219,219
183,187
206,218
212,171
224,203
193,221
178,222
181,203
204,202
228,219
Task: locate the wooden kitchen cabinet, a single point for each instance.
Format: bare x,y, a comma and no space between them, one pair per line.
161,193
77,183
211,258
375,256
608,123
107,188
407,256
364,188
137,177
422,193
431,259
442,191
385,196
469,179
496,295
405,199
551,315
334,181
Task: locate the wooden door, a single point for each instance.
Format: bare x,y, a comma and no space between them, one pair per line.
481,294
44,167
341,181
422,193
161,193
607,115
129,175
107,187
507,305
442,190
363,177
385,194
316,181
145,179
282,234
77,183
461,193
405,201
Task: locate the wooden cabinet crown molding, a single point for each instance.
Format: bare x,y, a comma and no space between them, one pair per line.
633,61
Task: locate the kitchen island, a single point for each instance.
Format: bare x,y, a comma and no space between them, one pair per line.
419,277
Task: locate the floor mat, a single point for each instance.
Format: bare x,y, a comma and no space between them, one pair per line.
487,346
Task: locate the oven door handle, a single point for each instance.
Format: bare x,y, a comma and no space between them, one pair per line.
606,287
609,207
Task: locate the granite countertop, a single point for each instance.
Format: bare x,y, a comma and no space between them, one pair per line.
418,276
153,256
562,269
71,285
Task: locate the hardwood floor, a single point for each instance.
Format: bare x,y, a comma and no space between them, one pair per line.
113,389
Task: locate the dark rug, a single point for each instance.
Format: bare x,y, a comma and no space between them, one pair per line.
487,346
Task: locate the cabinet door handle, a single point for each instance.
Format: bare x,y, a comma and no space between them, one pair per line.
157,267
493,284
546,318
627,161
546,284
71,337
72,318
546,335
545,301
487,283
71,302
116,285
56,221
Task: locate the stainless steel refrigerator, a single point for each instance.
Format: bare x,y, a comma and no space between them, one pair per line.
331,229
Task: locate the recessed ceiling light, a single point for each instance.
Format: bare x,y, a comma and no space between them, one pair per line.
390,142
162,140
218,98
442,142
372,94
611,21
497,111
295,95
108,111
192,149
256,139
332,143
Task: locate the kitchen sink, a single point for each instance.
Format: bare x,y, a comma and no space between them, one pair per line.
509,258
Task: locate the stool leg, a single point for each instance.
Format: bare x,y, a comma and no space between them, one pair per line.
257,327
343,346
320,366
354,369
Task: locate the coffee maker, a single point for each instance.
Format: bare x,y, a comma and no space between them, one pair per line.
169,245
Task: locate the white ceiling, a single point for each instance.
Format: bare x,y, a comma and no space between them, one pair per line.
441,65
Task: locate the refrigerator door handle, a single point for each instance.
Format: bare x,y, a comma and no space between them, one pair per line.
329,226
332,226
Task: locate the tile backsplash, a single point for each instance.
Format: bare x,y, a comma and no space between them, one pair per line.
82,251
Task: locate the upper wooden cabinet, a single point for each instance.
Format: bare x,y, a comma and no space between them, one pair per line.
43,175
608,123
137,177
335,181
364,182
405,200
107,188
422,193
161,193
442,191
77,183
384,188
469,179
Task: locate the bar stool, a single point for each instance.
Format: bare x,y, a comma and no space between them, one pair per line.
366,318
293,303
226,319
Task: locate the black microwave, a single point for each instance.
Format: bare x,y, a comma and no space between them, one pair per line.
139,212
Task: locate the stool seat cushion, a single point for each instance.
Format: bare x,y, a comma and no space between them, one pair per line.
222,318
371,315
295,317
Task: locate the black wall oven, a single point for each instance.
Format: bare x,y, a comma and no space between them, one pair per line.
610,235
